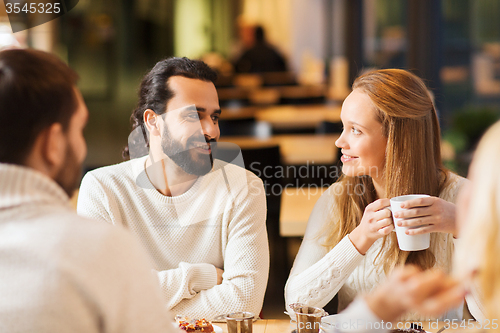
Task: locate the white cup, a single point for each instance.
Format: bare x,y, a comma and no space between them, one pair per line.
408,242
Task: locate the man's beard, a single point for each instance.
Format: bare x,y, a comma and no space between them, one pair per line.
69,175
186,157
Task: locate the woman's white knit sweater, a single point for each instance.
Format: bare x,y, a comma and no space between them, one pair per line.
318,274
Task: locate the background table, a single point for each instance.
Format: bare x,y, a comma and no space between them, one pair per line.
295,148
286,117
298,116
296,207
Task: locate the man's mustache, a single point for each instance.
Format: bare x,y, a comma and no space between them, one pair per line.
211,141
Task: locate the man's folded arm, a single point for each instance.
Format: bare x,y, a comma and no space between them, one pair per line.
246,264
186,281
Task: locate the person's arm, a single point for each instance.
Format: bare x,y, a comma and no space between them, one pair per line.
185,282
318,274
246,262
429,292
474,301
466,264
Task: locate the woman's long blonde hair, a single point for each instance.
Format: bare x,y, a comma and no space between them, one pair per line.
481,232
412,162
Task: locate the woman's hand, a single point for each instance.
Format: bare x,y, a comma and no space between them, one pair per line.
376,223
429,214
430,292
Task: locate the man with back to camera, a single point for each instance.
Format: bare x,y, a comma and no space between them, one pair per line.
60,272
202,221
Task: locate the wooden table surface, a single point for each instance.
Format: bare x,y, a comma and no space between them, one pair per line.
296,207
298,116
295,149
286,116
285,326
267,326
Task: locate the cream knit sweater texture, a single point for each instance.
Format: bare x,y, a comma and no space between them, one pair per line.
318,275
60,272
218,222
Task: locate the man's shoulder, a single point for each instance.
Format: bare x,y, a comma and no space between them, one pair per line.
61,233
86,240
115,176
123,169
74,226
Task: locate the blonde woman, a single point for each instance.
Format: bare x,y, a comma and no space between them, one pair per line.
479,221
390,147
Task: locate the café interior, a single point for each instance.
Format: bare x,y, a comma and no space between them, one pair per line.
287,116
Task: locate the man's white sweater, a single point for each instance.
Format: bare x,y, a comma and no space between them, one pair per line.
218,222
63,273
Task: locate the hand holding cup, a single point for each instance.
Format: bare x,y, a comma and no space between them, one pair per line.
423,215
375,223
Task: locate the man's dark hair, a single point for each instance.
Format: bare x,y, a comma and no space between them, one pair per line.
155,92
36,91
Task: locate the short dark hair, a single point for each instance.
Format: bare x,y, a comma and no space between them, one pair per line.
155,92
260,34
36,91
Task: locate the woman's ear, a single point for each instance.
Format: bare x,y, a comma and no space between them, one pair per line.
151,122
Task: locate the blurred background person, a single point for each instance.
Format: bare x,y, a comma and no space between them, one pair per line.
261,56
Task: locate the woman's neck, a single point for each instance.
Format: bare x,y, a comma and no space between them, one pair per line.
379,188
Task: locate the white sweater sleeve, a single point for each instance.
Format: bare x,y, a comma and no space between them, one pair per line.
467,260
246,263
186,281
318,274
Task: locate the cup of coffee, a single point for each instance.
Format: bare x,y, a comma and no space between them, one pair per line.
308,318
239,322
408,242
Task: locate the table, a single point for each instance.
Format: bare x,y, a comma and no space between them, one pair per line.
249,84
296,149
285,117
298,116
267,326
284,326
235,113
296,207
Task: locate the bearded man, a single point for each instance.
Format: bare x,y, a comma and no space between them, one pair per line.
201,220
